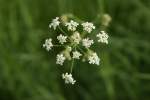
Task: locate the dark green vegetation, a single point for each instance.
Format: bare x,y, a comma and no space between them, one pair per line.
28,72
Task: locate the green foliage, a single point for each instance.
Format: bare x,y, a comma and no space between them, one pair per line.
27,72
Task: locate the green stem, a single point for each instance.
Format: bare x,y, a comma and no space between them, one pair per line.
72,65
80,49
62,30
83,34
58,45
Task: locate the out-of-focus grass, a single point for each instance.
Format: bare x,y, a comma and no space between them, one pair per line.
27,72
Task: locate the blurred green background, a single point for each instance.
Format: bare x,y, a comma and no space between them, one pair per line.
28,72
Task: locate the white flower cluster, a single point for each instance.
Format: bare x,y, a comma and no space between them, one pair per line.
48,44
60,59
93,59
87,26
54,23
76,44
76,55
102,37
72,25
68,78
87,42
62,39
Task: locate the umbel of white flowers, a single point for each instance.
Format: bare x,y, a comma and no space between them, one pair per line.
76,45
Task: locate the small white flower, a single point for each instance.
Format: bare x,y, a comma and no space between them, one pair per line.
102,37
72,25
87,42
93,59
55,22
68,78
76,37
87,26
60,59
48,44
76,55
62,39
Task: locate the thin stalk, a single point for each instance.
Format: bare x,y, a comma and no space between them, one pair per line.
62,30
72,65
80,49
59,45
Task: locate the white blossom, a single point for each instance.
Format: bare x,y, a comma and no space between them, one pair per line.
102,37
62,39
72,25
76,55
68,78
60,59
87,42
55,22
87,26
93,59
48,44
76,37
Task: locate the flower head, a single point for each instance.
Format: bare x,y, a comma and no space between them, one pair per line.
87,26
76,43
62,39
102,37
72,25
55,22
76,55
93,59
68,78
87,42
48,44
60,59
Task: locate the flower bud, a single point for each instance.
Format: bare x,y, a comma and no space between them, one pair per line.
106,19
